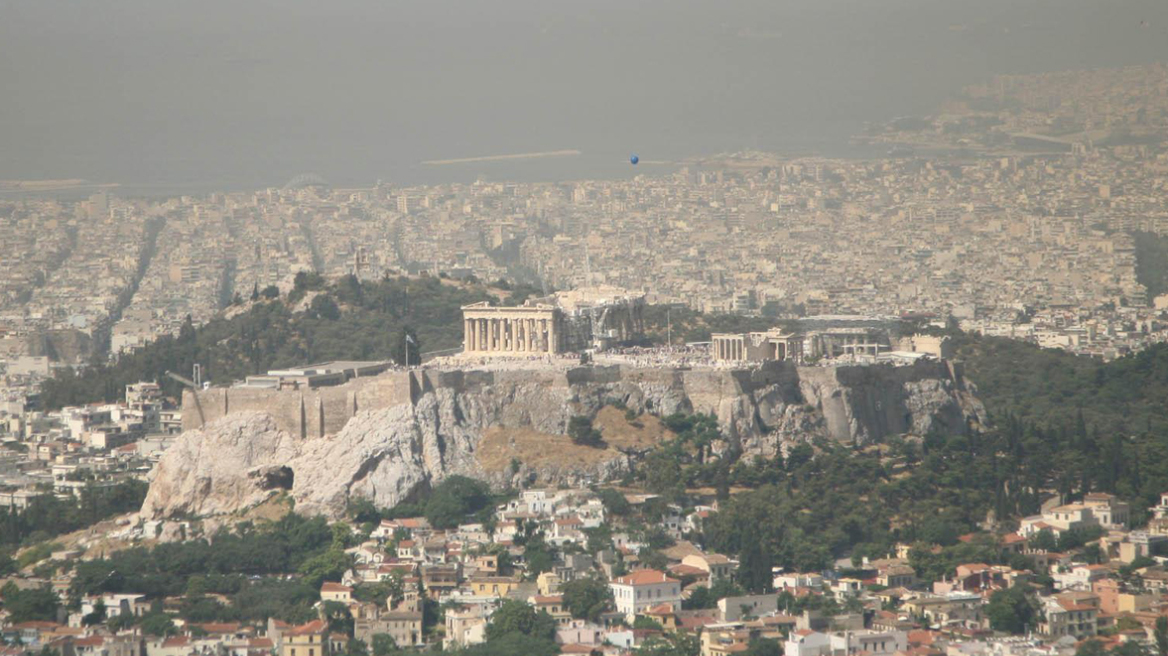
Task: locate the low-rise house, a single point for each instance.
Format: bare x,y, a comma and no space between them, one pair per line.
368,554
552,605
1070,614
643,589
872,643
434,550
1080,576
973,577
715,565
733,609
466,624
330,591
486,565
1141,544
473,534
440,580
580,632
896,576
385,531
309,639
493,586
805,642
953,609
402,622
105,645
846,587
1108,510
1067,517
548,583
409,550
1113,599
566,530
793,581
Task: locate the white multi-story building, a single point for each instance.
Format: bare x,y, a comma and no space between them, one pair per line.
644,589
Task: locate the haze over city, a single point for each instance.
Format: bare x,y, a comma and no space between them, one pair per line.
180,97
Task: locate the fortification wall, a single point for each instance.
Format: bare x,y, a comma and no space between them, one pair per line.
304,413
857,403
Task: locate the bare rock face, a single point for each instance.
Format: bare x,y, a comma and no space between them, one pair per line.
219,469
243,456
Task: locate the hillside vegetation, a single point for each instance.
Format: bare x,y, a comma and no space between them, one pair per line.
345,320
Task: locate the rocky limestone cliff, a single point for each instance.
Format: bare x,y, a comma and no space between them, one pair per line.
475,422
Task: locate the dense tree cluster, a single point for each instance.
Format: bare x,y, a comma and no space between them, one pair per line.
456,500
586,598
1060,423
1074,424
238,564
345,320
48,515
581,432
1152,262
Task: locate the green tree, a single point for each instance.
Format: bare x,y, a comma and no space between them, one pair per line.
513,644
355,647
1160,633
615,503
95,617
581,431
339,619
7,564
454,499
708,596
383,644
324,307
36,604
1091,647
1010,610
515,616
586,598
158,624
1129,648
670,644
121,622
644,623
328,566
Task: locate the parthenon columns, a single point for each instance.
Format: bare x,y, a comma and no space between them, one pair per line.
507,332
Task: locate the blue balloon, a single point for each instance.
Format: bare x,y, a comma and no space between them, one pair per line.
634,159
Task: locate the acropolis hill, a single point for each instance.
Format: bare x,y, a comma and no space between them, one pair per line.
380,436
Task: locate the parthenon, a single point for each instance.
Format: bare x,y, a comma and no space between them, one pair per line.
570,321
512,330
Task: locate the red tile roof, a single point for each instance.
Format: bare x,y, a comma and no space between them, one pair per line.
644,577
311,628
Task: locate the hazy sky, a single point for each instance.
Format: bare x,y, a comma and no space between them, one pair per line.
236,94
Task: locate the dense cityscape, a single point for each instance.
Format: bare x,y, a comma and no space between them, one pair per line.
905,404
